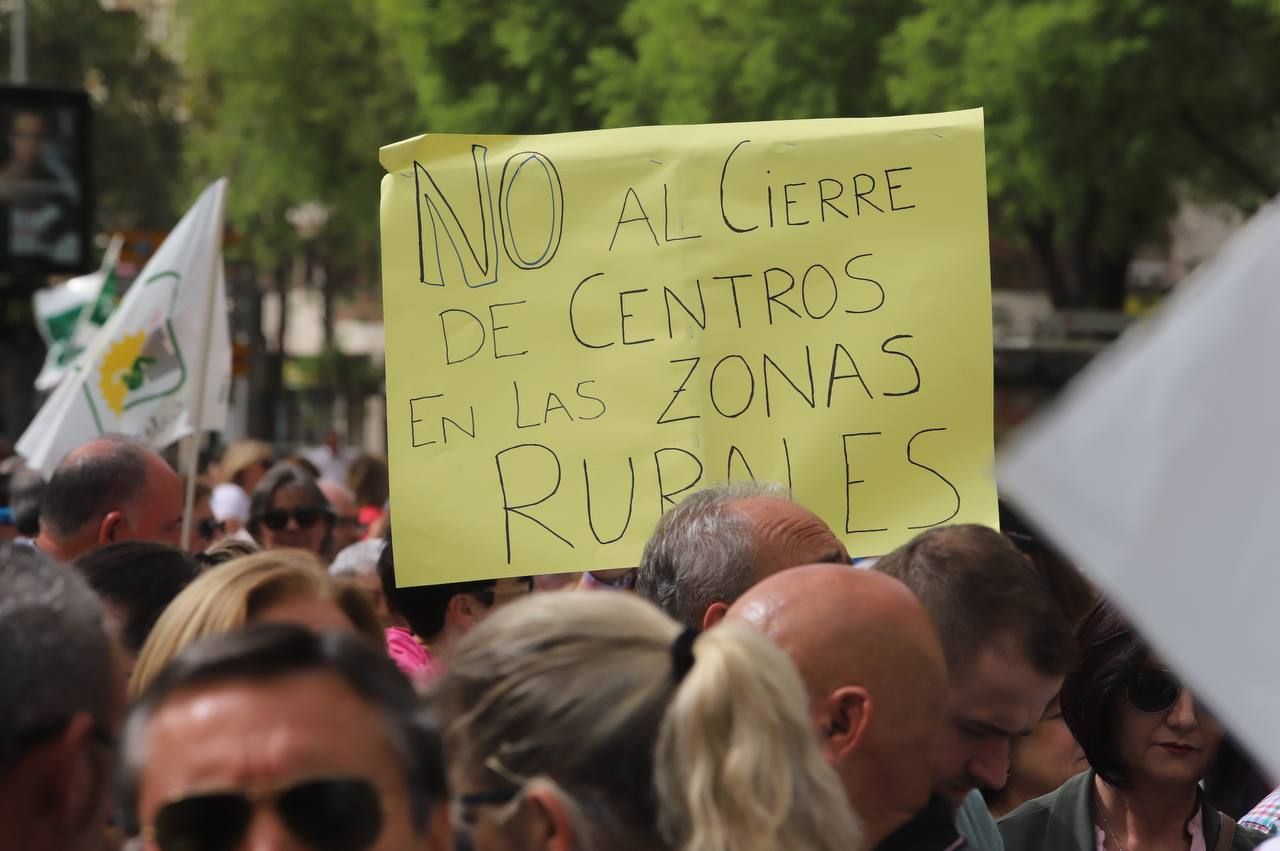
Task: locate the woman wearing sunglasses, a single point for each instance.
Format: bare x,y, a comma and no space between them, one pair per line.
591,722
1149,744
289,510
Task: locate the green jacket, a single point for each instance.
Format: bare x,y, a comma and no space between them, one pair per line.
1063,821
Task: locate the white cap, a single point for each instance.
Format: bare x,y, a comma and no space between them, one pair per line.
230,502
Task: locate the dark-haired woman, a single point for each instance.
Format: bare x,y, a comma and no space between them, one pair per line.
1149,744
289,510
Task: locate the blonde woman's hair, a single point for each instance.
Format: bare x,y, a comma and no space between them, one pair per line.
240,456
583,691
230,595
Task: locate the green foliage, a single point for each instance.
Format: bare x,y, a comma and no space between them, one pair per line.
293,100
136,135
743,60
1101,115
503,66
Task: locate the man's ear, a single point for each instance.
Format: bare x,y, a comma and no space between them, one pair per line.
846,716
714,614
548,826
461,610
110,527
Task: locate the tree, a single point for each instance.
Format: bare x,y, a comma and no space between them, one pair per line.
743,60
1102,115
293,100
137,139
506,66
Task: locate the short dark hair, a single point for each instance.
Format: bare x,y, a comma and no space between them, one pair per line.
139,579
422,606
269,651
1110,653
87,485
55,657
286,474
979,590
1074,593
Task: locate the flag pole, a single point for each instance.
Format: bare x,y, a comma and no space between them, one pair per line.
191,460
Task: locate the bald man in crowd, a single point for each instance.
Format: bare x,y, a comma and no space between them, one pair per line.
109,490
877,680
708,550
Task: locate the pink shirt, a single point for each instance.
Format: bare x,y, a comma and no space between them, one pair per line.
412,657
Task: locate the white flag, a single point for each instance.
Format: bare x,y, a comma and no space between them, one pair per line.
141,373
69,315
1157,473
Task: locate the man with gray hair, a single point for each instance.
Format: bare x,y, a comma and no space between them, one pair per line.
708,550
61,696
278,737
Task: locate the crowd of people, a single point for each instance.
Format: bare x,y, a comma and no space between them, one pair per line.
749,686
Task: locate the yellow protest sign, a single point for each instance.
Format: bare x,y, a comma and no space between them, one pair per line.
582,328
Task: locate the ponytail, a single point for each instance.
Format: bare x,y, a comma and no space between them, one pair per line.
736,765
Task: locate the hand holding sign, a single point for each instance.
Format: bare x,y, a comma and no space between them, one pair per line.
582,328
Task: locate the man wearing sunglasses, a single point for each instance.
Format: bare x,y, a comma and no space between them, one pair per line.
61,696
109,490
276,737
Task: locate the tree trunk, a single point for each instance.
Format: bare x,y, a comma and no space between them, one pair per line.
1040,235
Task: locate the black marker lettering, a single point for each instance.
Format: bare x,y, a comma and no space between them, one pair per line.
854,277
888,351
676,395
643,217
666,221
603,407
893,204
771,298
631,501
495,328
724,214
860,195
825,200
509,509
573,326
944,479
835,376
787,203
664,495
849,483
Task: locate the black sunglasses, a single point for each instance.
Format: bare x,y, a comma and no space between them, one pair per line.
324,813
276,519
1153,690
208,529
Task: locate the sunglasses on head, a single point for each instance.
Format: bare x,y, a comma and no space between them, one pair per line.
323,813
277,518
1153,690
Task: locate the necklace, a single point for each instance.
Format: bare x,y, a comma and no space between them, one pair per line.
1102,813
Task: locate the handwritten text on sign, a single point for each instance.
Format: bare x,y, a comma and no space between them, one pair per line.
583,328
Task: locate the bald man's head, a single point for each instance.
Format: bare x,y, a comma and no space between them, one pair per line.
109,490
876,675
720,541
